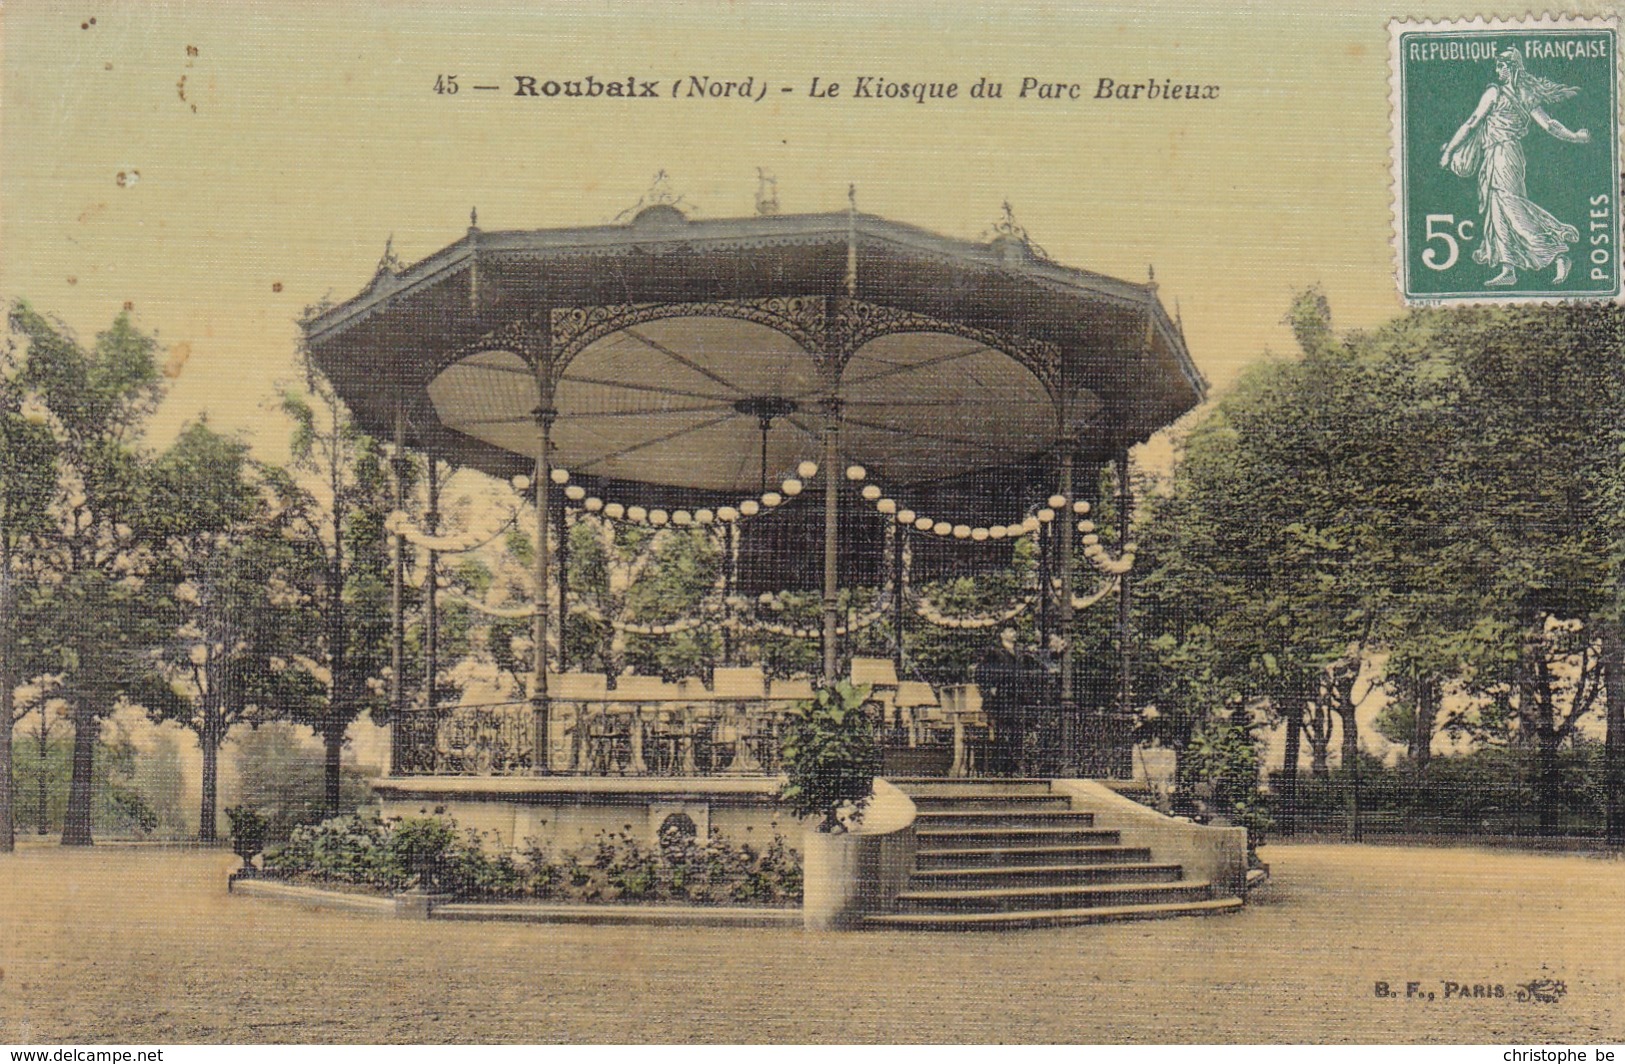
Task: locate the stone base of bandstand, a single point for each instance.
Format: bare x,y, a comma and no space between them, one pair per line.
564,812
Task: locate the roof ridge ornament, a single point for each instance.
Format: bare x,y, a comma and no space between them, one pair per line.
851,278
1008,234
389,264
659,202
767,193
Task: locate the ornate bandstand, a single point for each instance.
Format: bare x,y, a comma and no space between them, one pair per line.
841,400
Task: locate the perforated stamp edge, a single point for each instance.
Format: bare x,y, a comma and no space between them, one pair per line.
1404,24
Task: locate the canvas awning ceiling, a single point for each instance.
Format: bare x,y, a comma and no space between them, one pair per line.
670,341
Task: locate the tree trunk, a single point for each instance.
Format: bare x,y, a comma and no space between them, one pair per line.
76,822
1289,768
208,830
1548,780
1427,714
1613,664
335,747
8,716
1320,748
41,776
1351,774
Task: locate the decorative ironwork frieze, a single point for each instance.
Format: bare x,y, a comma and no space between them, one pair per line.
855,323
801,318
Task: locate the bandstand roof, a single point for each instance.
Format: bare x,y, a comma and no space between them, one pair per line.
665,339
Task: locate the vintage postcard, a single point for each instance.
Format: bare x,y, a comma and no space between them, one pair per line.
1043,523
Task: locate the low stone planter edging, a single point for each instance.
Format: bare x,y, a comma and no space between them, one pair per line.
412,905
624,915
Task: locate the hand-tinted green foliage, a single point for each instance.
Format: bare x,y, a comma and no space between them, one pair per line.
430,852
831,756
678,868
1432,497
1489,791
280,776
1224,755
83,610
393,855
121,806
248,830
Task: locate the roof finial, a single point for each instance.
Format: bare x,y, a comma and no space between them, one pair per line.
767,192
852,240
1008,229
660,194
389,264
1151,275
473,217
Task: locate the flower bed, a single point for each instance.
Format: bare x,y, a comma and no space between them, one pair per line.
392,855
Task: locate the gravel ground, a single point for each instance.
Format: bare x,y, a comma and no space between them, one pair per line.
144,945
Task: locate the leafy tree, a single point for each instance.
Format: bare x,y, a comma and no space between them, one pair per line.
1533,478
1434,492
27,487
219,541
90,615
340,566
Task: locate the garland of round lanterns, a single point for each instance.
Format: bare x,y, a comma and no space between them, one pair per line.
739,604
1054,506
399,523
925,609
656,517
876,495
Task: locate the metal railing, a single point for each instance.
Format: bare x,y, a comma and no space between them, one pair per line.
596,737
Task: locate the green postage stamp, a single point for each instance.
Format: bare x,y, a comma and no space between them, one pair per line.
1506,159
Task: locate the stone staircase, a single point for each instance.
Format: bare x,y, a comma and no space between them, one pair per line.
1010,853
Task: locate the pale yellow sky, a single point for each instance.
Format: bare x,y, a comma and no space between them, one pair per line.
306,133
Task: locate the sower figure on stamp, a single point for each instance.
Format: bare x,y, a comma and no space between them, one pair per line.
1516,232
999,675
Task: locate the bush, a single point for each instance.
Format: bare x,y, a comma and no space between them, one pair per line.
247,831
831,756
1223,756
679,868
392,855
1488,791
280,774
120,808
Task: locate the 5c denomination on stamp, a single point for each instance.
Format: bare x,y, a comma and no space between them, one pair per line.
1506,159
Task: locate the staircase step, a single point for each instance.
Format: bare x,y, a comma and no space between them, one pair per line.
1023,856
924,802
1045,875
927,787
959,817
998,921
1071,896
951,838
